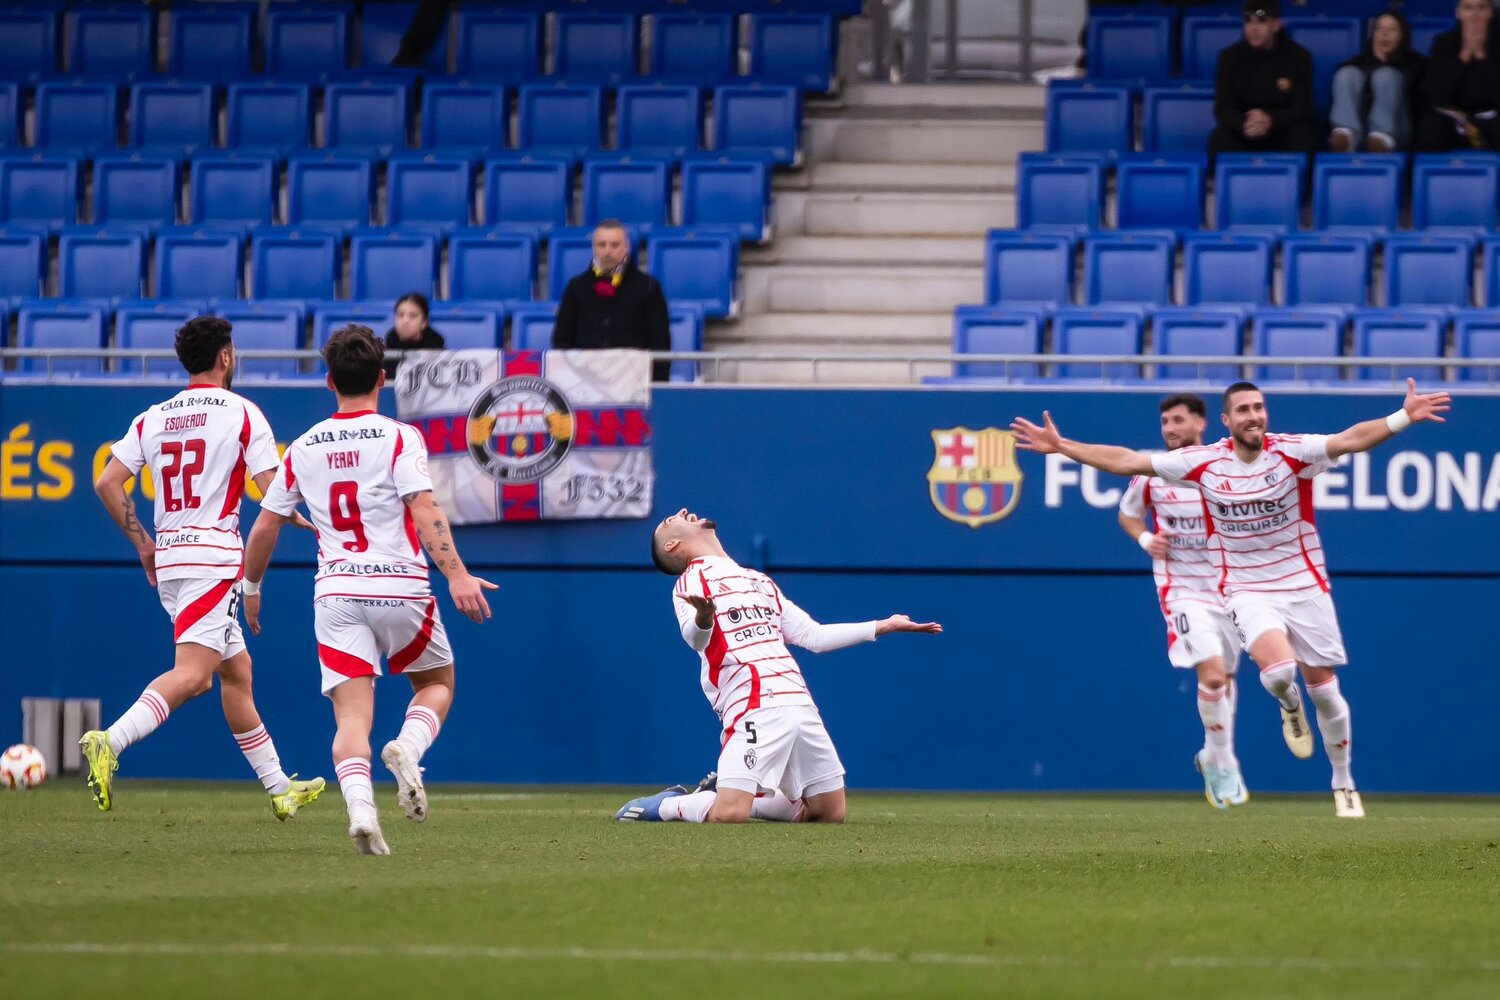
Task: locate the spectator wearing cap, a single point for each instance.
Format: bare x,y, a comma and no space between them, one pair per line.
1374,93
1463,83
614,303
1263,90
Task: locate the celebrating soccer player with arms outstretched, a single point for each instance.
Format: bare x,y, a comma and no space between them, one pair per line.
1257,496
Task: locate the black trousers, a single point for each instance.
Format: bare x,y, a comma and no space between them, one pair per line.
1291,139
1439,133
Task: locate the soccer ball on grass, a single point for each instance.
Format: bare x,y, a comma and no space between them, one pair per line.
22,767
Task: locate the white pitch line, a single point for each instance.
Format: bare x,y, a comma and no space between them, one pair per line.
861,957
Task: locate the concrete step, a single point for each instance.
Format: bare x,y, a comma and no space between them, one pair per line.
772,372
944,95
815,213
962,251
919,140
883,332
855,289
956,177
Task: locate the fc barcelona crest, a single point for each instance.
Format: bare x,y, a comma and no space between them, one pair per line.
974,477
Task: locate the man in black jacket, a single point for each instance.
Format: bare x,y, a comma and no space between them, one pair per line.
614,303
1263,93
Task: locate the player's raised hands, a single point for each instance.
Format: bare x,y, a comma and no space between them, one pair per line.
468,595
901,623
703,605
1044,440
1426,405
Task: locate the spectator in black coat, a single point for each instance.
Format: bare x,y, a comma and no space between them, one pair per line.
614,303
1463,83
411,332
1374,94
1263,91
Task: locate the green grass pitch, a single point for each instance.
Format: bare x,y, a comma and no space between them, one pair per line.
196,891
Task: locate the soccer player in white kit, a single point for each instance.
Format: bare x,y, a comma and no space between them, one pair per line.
777,761
364,479
199,444
1200,634
1257,495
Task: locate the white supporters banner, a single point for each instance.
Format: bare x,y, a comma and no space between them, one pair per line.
532,435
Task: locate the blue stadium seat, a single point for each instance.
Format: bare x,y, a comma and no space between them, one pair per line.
531,326
533,193
1085,119
77,115
1160,193
636,192
1058,191
23,263
1195,332
492,266
430,190
1476,334
294,263
265,326
135,188
99,263
388,263
997,330
726,192
464,114
686,333
198,264
691,47
211,42
39,189
1096,331
328,190
370,114
1177,119
59,324
1203,38
1363,191
796,50
1127,267
595,47
1489,250
269,115
756,120
1325,270
331,316
497,44
1228,268
1254,193
1400,333
111,42
568,253
658,120
152,325
381,26
28,42
1428,270
232,188
1457,193
178,116
1425,29
12,114
1296,333
1330,40
701,267
1028,267
1130,45
467,326
306,42
559,117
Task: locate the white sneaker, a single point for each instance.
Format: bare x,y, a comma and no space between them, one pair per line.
1296,732
1346,804
1212,780
365,832
1235,792
409,790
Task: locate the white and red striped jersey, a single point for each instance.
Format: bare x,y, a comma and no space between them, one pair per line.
199,444
1190,572
745,663
1260,515
352,471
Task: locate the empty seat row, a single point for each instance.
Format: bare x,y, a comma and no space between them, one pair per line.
1332,269
218,42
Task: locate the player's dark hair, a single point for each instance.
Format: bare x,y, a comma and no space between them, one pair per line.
611,224
417,299
1195,404
199,342
354,356
1238,387
660,559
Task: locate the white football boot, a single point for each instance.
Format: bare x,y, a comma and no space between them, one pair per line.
1296,731
365,832
409,790
1347,805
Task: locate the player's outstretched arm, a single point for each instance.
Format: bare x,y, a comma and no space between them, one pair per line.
466,590
1416,408
111,489
1047,440
901,623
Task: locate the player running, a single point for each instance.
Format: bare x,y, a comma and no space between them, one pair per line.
198,445
1257,496
1200,635
777,761
364,480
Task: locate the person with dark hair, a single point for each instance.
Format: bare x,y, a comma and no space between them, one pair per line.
1255,491
1263,89
1463,83
364,480
614,303
1200,634
413,330
198,445
1375,93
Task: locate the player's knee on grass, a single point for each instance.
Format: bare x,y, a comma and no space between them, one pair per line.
731,806
829,807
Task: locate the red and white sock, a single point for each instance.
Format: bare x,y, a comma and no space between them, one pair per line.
258,749
688,808
1213,709
139,721
354,783
419,730
1334,724
777,808
1281,680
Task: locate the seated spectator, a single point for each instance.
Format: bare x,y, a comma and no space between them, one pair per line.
1263,90
411,332
1463,83
613,303
1374,93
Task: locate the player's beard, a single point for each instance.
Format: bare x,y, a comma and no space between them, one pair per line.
1251,440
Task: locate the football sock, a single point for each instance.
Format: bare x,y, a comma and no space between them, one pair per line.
258,749
139,721
688,808
419,730
1232,699
1213,709
354,782
1333,723
777,808
1281,680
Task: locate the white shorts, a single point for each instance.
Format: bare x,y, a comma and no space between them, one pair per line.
355,632
205,612
1310,624
1197,632
785,749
